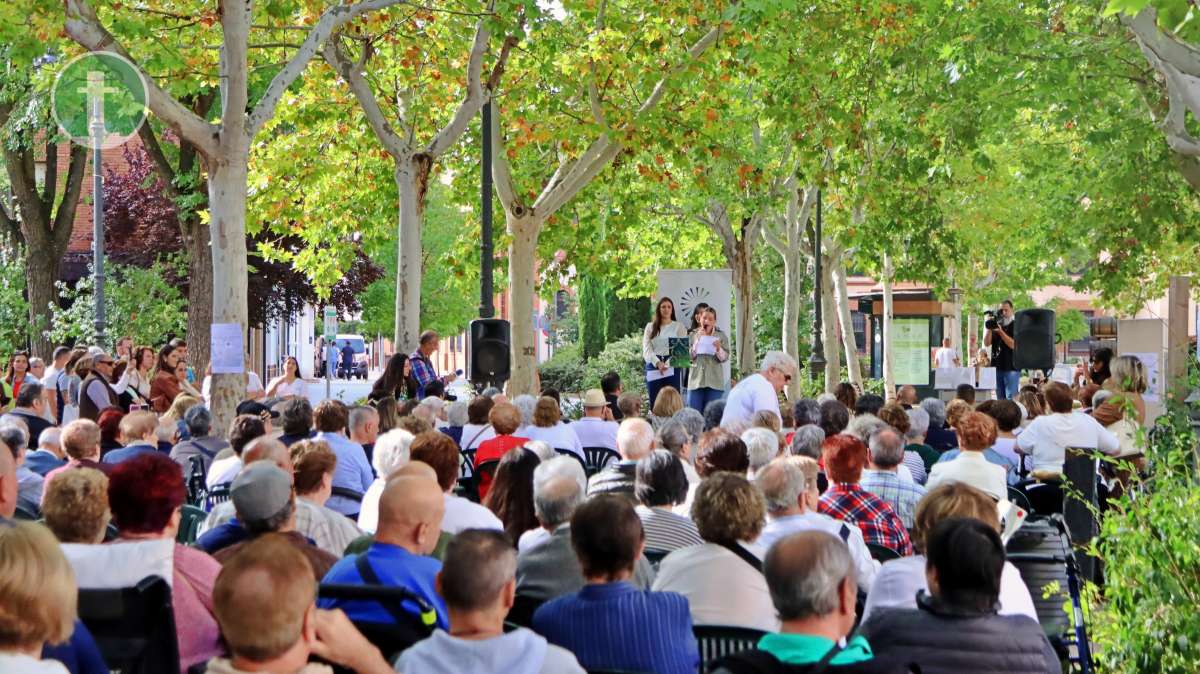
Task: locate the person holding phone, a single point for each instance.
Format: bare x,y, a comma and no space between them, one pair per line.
710,351
656,349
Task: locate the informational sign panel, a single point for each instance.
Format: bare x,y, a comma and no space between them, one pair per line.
228,353
330,322
910,347
689,287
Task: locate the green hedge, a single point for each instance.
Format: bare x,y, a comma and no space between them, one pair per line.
565,369
568,372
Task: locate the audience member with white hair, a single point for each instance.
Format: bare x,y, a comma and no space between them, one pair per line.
456,419
759,391
881,478
762,445
863,426
789,486
525,404
543,450
806,441
49,453
548,513
674,437
916,449
693,421
390,455
635,440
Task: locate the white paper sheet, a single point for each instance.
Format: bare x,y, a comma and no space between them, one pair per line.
1062,374
655,375
987,379
1150,363
947,378
706,344
228,353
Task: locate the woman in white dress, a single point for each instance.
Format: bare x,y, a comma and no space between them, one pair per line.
656,349
289,384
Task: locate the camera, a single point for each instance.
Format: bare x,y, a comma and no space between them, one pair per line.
989,320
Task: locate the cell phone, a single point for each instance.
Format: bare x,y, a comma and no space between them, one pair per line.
137,407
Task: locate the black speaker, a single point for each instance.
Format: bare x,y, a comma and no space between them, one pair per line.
1034,337
487,351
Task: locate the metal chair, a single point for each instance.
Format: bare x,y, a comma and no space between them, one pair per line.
1019,498
596,459
195,481
717,641
134,627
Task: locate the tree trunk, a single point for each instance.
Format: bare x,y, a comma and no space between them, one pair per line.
411,174
196,242
889,377
522,271
792,267
40,275
743,284
833,361
227,203
849,342
968,355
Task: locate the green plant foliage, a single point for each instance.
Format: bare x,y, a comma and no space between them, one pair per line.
565,370
623,356
1147,620
14,310
139,302
593,316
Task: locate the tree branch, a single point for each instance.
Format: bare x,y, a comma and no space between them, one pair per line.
50,188
501,170
471,102
159,159
64,218
350,72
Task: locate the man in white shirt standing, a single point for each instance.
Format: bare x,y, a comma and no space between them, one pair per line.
596,427
759,391
946,356
792,496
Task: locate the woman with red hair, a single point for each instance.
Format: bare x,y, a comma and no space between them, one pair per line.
145,495
845,456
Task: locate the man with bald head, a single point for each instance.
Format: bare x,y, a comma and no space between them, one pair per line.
410,521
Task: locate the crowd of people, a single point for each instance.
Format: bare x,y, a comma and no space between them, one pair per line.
857,534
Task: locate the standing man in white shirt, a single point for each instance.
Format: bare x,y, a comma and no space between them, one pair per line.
596,427
759,391
946,356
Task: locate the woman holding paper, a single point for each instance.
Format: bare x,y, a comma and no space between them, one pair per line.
656,348
710,349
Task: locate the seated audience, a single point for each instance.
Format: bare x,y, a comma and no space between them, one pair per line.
81,443
456,418
661,485
956,627
49,453
835,417
504,419
1049,435
548,427
202,444
262,497
29,484
596,427
313,465
719,451
899,580
846,394
713,412
789,487
806,441
410,519
296,417
666,404
938,436
364,427
477,428
722,578
1007,459
478,583
264,602
548,567
29,407
139,432
812,585
880,478
693,421
955,411
897,417
75,506
511,496
145,494
674,437
630,405
390,455
867,403
609,623
635,440
846,500
916,450
610,384
441,454
331,419
110,429
762,445
37,598
965,393
976,433
226,465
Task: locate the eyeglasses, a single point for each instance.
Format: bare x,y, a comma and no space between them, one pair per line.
105,362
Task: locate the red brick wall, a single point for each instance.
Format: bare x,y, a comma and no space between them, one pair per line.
114,158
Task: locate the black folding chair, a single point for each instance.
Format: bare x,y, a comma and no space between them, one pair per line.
596,459
391,638
521,613
1019,499
218,494
717,641
882,553
195,482
571,453
134,627
468,481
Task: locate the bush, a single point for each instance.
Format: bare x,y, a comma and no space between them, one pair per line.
564,371
623,356
140,302
1146,620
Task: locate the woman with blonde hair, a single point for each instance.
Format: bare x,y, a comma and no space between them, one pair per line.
669,402
1128,382
37,598
548,427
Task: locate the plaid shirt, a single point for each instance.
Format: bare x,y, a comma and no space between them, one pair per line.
902,496
878,521
423,371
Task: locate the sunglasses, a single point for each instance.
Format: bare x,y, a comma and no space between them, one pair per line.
105,362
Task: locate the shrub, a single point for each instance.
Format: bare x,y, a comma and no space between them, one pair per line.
623,356
565,370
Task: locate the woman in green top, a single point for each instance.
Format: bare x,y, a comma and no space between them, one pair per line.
710,349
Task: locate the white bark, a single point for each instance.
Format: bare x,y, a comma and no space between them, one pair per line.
846,321
1179,65
522,270
789,238
738,249
968,353
833,360
889,377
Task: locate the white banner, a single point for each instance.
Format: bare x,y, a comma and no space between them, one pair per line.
689,287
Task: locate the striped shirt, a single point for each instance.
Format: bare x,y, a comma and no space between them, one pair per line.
902,496
666,531
617,626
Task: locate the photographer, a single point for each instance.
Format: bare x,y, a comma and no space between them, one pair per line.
999,335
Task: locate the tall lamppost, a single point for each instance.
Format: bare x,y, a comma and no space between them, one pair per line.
95,91
816,361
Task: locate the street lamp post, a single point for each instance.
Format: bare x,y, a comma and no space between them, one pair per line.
816,361
95,92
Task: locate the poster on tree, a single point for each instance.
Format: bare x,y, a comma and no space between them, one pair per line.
910,347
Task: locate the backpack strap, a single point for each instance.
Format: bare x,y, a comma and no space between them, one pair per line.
425,611
744,555
844,533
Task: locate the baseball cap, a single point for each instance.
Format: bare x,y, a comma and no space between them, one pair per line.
260,491
255,408
594,398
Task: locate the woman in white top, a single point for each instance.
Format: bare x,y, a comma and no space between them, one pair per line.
254,387
289,384
1048,436
898,581
185,386
137,375
548,427
389,455
656,348
976,432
